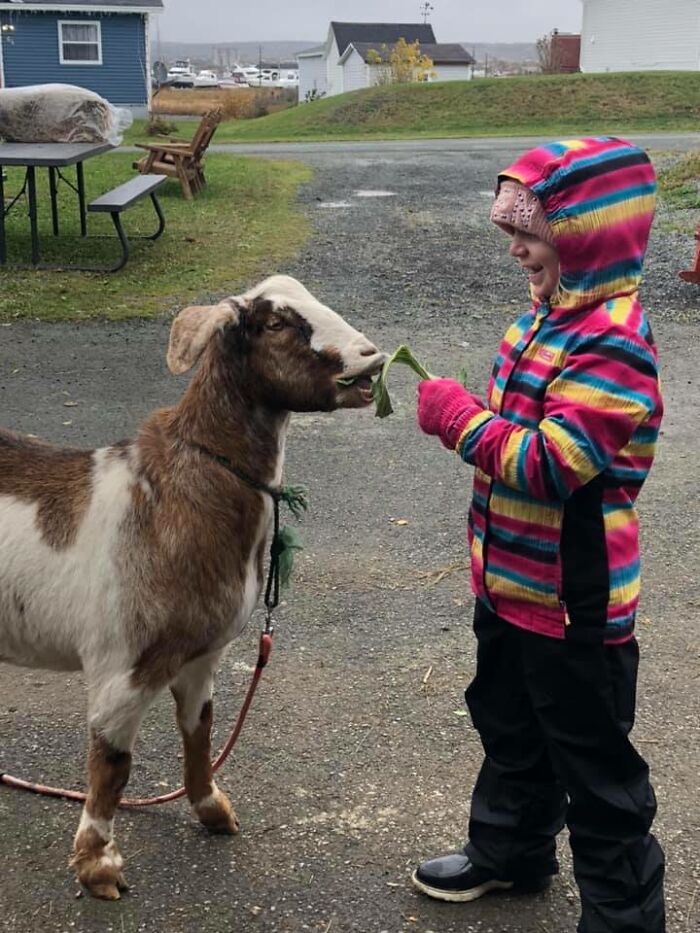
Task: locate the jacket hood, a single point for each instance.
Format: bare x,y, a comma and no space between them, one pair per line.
599,197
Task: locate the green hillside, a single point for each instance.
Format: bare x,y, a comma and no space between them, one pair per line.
532,105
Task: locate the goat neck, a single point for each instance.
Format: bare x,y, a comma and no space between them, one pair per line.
221,412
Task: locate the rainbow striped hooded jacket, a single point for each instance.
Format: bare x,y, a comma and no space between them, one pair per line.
574,407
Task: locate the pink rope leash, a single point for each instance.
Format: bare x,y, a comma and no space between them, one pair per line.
263,657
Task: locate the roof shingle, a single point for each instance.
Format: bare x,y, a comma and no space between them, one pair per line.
345,33
34,5
440,53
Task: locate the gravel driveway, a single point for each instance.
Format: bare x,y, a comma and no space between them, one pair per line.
357,759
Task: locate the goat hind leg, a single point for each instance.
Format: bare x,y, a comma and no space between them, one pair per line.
192,690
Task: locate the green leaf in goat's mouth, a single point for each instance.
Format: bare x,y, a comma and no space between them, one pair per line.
380,390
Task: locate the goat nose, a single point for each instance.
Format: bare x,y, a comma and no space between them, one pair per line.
369,350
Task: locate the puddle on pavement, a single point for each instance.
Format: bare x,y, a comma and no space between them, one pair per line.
362,193
368,193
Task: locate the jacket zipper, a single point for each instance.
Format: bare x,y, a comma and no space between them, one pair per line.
534,328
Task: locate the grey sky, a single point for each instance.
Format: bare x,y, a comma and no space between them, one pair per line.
452,20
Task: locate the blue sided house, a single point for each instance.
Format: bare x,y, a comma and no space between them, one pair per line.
102,45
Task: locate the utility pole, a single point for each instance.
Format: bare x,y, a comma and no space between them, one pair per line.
426,9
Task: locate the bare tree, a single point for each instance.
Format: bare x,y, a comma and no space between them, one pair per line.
548,53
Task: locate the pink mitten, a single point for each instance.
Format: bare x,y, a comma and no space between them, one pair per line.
445,408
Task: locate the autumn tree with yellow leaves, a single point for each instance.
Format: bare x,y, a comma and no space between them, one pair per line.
401,63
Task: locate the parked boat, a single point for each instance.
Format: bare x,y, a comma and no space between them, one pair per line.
233,79
252,74
276,77
206,79
180,74
289,77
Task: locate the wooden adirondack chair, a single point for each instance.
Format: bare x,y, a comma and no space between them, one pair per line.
181,159
692,275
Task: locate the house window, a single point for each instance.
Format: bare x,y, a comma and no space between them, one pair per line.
79,42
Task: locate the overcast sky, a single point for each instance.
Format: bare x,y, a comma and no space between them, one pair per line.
452,20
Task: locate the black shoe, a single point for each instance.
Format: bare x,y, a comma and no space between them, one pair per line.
455,878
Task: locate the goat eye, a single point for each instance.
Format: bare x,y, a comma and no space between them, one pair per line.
275,324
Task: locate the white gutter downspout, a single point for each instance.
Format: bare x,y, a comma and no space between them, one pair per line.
2,64
147,40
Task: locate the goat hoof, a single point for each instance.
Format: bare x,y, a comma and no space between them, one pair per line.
229,825
107,892
99,869
217,815
104,887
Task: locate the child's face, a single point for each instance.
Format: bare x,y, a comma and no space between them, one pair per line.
539,260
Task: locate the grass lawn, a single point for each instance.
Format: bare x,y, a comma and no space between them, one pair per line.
238,230
679,184
540,105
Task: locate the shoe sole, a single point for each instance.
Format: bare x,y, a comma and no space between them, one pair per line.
460,897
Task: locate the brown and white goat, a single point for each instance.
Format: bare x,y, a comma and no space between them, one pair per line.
140,562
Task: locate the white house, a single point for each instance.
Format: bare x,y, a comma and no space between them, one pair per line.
640,35
313,79
340,64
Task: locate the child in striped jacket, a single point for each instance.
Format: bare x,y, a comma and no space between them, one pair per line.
561,448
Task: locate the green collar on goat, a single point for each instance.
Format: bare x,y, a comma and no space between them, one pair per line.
285,540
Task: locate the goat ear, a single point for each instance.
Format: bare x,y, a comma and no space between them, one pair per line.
192,330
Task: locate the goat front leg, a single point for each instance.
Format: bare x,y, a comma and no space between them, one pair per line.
115,715
192,690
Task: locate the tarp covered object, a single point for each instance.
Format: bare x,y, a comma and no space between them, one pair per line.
60,113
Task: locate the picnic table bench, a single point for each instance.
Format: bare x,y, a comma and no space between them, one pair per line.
121,198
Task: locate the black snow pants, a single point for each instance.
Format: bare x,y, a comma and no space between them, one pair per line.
554,717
